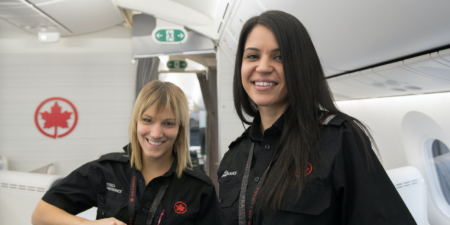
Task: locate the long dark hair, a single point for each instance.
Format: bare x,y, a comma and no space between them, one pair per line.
308,94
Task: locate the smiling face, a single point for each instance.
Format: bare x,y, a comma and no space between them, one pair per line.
262,69
157,132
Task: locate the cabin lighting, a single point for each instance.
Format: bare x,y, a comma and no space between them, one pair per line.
48,37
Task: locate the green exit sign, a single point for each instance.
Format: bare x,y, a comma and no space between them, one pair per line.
177,64
169,35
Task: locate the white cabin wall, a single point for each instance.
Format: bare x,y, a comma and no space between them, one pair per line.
384,117
93,71
230,126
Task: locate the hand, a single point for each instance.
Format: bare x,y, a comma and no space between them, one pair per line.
107,221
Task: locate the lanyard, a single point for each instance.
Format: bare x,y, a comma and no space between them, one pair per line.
242,217
155,203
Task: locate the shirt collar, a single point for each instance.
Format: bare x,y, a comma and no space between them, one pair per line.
173,168
277,127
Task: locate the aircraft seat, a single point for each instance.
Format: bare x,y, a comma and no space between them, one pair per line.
411,187
21,191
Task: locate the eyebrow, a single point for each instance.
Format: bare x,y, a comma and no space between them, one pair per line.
151,117
256,49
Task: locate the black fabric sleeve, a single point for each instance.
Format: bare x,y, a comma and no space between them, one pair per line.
209,207
77,192
364,190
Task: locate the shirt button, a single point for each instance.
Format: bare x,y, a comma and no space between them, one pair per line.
140,181
256,179
143,209
103,213
267,146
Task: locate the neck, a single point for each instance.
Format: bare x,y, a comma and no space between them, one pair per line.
153,168
270,114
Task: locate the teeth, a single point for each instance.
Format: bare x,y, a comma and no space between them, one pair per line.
154,143
265,84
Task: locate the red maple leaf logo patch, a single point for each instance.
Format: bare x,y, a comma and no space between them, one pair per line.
56,118
180,207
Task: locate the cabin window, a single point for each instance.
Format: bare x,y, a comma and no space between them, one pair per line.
440,158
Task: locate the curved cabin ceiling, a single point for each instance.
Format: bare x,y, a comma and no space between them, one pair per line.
348,35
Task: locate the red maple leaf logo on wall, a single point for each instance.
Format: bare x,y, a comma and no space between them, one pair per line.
55,118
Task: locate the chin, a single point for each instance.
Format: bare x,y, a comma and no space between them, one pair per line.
153,154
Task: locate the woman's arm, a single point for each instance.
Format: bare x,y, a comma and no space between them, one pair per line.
47,214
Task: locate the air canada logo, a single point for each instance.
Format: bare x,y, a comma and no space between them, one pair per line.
56,117
180,207
308,170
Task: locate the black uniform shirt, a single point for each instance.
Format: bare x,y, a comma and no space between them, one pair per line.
105,183
340,188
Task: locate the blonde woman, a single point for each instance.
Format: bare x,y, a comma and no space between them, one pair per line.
149,183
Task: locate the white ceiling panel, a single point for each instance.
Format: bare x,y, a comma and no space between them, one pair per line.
82,16
17,10
207,7
350,35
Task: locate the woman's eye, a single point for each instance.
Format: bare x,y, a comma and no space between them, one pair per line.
147,120
252,57
278,57
170,124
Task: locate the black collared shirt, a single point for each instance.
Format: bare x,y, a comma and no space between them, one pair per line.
105,184
340,189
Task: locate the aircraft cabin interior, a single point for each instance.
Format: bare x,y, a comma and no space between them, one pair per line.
70,71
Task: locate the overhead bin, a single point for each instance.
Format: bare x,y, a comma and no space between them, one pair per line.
442,57
428,73
400,77
445,54
341,85
427,66
372,86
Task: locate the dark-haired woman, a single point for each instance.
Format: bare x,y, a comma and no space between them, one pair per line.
301,161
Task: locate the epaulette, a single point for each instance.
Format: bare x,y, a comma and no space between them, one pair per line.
238,139
199,175
331,119
115,156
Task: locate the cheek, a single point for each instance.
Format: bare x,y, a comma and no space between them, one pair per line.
245,72
141,129
172,134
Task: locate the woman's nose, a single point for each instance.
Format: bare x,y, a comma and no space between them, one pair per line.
264,66
156,131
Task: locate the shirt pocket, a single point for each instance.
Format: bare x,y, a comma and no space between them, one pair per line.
313,201
108,207
229,204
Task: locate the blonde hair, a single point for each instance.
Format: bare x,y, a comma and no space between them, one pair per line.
167,97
